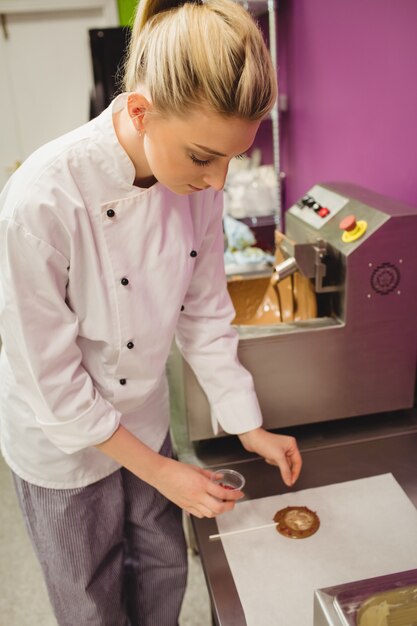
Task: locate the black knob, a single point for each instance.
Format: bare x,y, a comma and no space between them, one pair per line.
182,308
124,281
193,253
110,213
130,345
123,381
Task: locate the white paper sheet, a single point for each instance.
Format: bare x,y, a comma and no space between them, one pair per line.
368,528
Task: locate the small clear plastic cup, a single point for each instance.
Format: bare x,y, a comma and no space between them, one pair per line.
229,479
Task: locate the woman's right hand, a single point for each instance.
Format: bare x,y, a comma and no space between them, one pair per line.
191,488
188,486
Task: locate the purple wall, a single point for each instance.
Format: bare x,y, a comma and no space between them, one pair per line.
349,68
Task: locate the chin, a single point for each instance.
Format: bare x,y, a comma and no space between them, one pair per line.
181,190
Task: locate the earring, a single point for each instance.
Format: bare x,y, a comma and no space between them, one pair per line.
140,131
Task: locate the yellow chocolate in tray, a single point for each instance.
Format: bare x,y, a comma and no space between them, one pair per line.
397,607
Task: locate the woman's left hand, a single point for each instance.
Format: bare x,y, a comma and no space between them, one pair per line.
279,450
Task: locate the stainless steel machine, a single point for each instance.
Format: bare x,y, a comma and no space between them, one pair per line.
357,356
390,599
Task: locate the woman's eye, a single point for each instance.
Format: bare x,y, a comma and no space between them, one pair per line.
198,161
241,156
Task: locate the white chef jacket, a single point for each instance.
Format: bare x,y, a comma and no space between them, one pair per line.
97,275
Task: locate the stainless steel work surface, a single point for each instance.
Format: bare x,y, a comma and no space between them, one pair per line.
332,453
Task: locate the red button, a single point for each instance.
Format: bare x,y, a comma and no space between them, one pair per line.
348,223
323,212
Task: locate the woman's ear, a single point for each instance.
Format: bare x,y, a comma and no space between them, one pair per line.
137,106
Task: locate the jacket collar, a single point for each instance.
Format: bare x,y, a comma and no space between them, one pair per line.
113,158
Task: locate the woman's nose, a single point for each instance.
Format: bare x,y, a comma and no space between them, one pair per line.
217,177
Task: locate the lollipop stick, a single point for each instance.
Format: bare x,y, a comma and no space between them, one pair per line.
242,530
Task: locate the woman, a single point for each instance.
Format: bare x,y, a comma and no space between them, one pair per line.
111,243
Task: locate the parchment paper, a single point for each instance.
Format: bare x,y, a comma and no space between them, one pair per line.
368,528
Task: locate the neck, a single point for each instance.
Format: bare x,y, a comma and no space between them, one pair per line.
132,143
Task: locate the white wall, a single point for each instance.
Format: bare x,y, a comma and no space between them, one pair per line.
45,71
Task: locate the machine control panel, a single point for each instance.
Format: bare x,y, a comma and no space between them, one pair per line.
318,206
340,218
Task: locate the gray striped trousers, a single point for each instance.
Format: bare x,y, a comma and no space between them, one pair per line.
112,553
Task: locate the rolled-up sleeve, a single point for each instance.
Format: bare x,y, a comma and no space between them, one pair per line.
40,340
209,343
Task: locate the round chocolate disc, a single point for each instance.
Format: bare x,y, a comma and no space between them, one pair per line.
296,522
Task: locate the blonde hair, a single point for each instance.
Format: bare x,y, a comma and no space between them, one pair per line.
206,51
